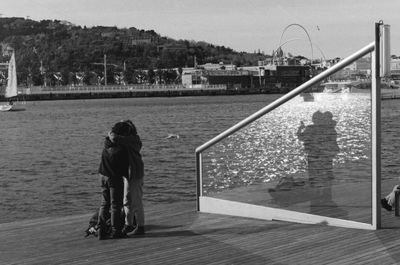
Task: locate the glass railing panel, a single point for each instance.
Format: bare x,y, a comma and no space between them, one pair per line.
390,154
311,155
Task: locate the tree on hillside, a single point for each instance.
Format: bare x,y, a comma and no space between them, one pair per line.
63,47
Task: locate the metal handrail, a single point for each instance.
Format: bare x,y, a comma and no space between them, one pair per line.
315,80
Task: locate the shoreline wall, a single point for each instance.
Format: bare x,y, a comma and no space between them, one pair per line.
70,95
67,93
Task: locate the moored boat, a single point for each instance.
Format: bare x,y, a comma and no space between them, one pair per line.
356,86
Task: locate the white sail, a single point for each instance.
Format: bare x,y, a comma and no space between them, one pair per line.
11,90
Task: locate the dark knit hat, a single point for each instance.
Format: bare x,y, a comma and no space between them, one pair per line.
132,126
121,128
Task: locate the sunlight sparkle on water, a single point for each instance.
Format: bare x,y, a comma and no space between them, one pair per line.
269,149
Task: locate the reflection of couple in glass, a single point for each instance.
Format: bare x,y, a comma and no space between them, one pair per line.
320,144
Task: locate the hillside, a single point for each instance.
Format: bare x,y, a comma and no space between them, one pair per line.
59,52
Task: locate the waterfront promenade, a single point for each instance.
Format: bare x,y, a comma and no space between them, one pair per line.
177,234
119,91
132,91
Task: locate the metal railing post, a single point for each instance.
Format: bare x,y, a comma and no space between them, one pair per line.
376,132
198,179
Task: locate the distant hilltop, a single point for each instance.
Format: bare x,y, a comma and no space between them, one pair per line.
62,51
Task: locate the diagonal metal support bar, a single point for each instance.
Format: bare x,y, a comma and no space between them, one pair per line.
315,80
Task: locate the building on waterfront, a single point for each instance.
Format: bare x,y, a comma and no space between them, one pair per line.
360,69
267,78
395,69
287,77
233,79
217,66
135,41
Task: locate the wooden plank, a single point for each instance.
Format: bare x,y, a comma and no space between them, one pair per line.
177,234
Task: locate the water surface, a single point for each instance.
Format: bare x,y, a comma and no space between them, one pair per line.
50,152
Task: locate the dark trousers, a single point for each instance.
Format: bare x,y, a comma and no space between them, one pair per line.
112,196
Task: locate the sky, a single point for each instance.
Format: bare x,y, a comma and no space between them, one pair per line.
312,28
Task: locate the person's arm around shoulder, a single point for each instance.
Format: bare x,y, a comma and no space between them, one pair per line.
108,142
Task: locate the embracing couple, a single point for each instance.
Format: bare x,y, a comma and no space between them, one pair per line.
121,175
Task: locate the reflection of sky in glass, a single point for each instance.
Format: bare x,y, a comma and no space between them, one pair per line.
269,149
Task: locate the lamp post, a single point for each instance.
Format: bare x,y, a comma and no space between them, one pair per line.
105,70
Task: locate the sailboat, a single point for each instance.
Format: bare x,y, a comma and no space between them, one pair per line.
11,89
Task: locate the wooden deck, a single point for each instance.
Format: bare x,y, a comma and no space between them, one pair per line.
177,234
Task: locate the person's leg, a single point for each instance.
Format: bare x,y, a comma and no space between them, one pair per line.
116,193
104,207
313,169
136,189
128,204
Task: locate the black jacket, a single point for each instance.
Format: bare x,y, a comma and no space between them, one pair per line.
114,160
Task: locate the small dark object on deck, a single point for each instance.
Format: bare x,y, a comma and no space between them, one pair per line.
385,205
91,230
104,231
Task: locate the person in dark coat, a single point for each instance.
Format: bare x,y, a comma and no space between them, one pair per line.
133,183
113,167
